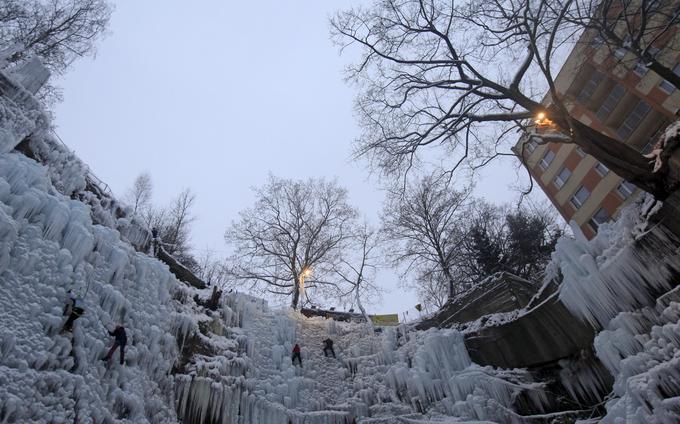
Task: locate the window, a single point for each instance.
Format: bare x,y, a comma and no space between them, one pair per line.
597,41
640,69
600,217
531,146
633,119
625,189
547,159
590,87
580,197
601,169
666,86
580,151
619,53
562,177
610,102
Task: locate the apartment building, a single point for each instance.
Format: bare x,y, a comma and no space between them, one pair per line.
615,94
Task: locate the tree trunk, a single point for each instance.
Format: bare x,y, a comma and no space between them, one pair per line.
620,158
449,278
663,71
296,295
363,311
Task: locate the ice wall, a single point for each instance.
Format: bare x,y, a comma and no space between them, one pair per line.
48,244
624,282
626,266
644,352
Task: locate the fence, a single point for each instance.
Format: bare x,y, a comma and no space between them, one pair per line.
90,176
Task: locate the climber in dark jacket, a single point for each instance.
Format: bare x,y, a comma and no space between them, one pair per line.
296,354
120,340
328,346
74,309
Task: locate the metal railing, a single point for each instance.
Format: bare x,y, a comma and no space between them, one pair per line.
91,176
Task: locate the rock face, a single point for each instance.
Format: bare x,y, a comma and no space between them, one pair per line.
502,292
540,336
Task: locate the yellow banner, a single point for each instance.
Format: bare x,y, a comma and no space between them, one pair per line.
389,319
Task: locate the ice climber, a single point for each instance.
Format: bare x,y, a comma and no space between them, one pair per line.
119,341
328,346
296,354
74,309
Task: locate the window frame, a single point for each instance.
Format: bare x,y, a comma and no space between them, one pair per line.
664,83
575,201
603,173
626,129
530,146
629,189
558,177
593,221
543,162
610,102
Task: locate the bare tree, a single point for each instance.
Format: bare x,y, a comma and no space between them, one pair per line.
139,195
431,289
640,27
292,238
58,31
462,76
173,226
359,266
211,268
422,225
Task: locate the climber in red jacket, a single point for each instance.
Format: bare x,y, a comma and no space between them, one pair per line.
296,354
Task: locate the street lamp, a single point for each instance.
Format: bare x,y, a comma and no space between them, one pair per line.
306,272
542,119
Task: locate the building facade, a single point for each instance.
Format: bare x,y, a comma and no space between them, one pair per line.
615,94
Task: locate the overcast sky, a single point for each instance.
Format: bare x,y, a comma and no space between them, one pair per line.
214,95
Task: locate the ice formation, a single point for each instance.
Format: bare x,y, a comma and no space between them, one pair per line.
192,363
624,267
624,282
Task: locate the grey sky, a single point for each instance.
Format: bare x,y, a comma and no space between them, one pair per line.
213,95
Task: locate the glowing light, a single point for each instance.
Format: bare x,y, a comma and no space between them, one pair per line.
304,274
542,119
